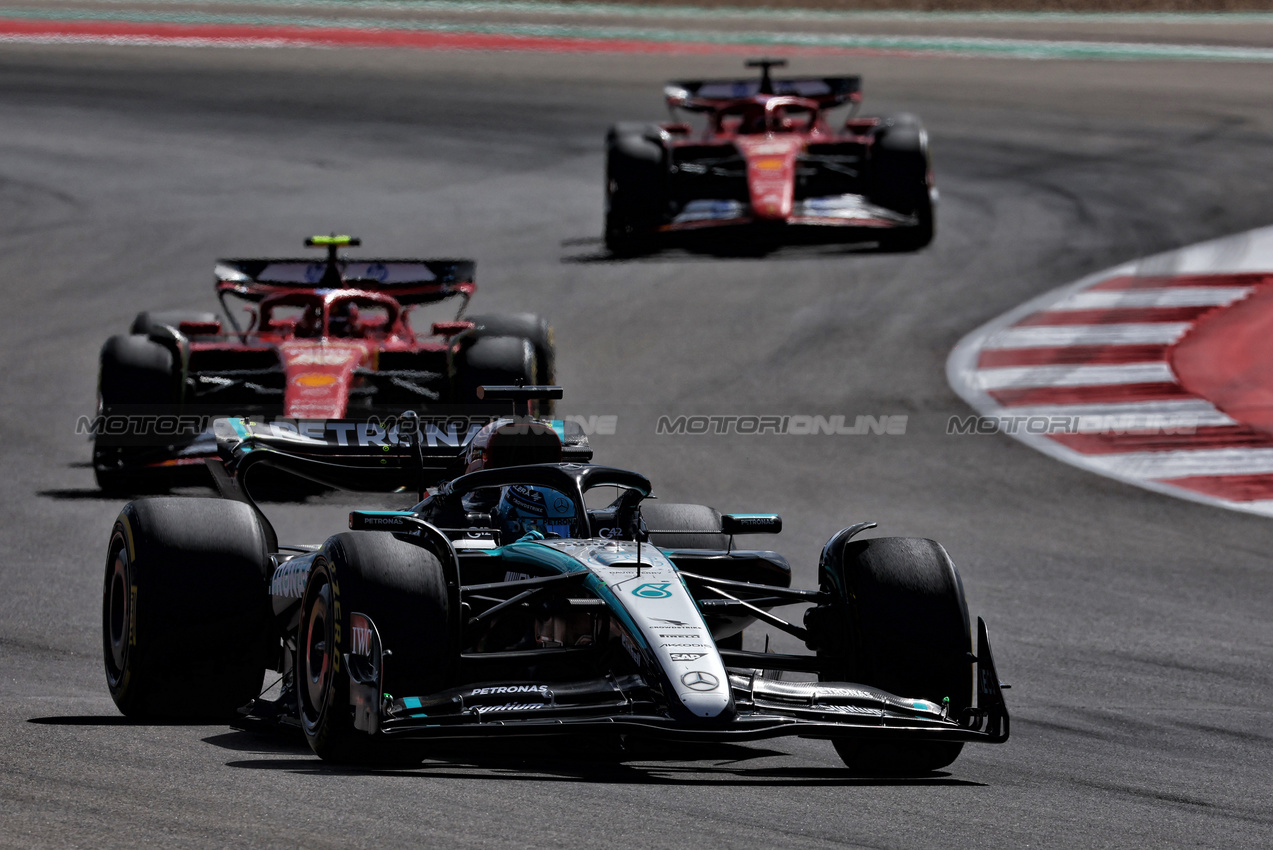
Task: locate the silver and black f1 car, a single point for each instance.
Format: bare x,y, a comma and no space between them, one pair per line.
513,601
768,158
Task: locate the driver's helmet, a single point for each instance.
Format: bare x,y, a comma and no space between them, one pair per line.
524,508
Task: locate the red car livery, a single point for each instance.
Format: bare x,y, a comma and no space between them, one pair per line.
331,339
768,157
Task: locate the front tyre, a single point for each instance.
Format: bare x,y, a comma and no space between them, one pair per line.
185,609
636,193
901,179
402,589
903,628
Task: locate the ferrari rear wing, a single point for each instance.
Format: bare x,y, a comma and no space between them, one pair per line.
408,281
706,95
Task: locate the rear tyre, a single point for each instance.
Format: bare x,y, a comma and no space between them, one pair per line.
901,180
698,526
493,360
534,329
185,609
636,177
905,631
135,376
402,589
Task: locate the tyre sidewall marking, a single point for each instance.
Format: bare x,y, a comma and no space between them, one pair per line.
121,547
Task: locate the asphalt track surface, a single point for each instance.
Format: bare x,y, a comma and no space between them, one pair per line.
1134,628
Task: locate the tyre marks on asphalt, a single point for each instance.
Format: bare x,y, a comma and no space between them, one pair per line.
1158,379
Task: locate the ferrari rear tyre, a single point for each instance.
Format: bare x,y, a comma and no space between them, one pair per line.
136,376
185,609
906,632
636,178
534,329
136,371
402,589
494,360
699,526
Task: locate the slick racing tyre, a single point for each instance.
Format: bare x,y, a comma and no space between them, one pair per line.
636,177
534,329
402,589
899,180
673,526
136,371
148,320
185,609
904,629
493,361
136,376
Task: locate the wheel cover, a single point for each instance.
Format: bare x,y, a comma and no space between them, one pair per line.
117,612
315,668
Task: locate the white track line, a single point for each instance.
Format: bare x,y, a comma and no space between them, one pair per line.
1201,414
1049,336
1182,296
1181,464
1018,377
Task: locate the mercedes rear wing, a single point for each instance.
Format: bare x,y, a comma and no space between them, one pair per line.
372,454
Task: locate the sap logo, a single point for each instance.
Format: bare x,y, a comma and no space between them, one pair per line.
687,656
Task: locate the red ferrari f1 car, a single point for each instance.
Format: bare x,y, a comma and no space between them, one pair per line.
324,339
769,158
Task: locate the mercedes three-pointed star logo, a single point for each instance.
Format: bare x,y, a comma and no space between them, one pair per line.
697,680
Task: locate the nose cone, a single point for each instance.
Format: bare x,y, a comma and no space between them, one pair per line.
771,174
319,374
704,693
